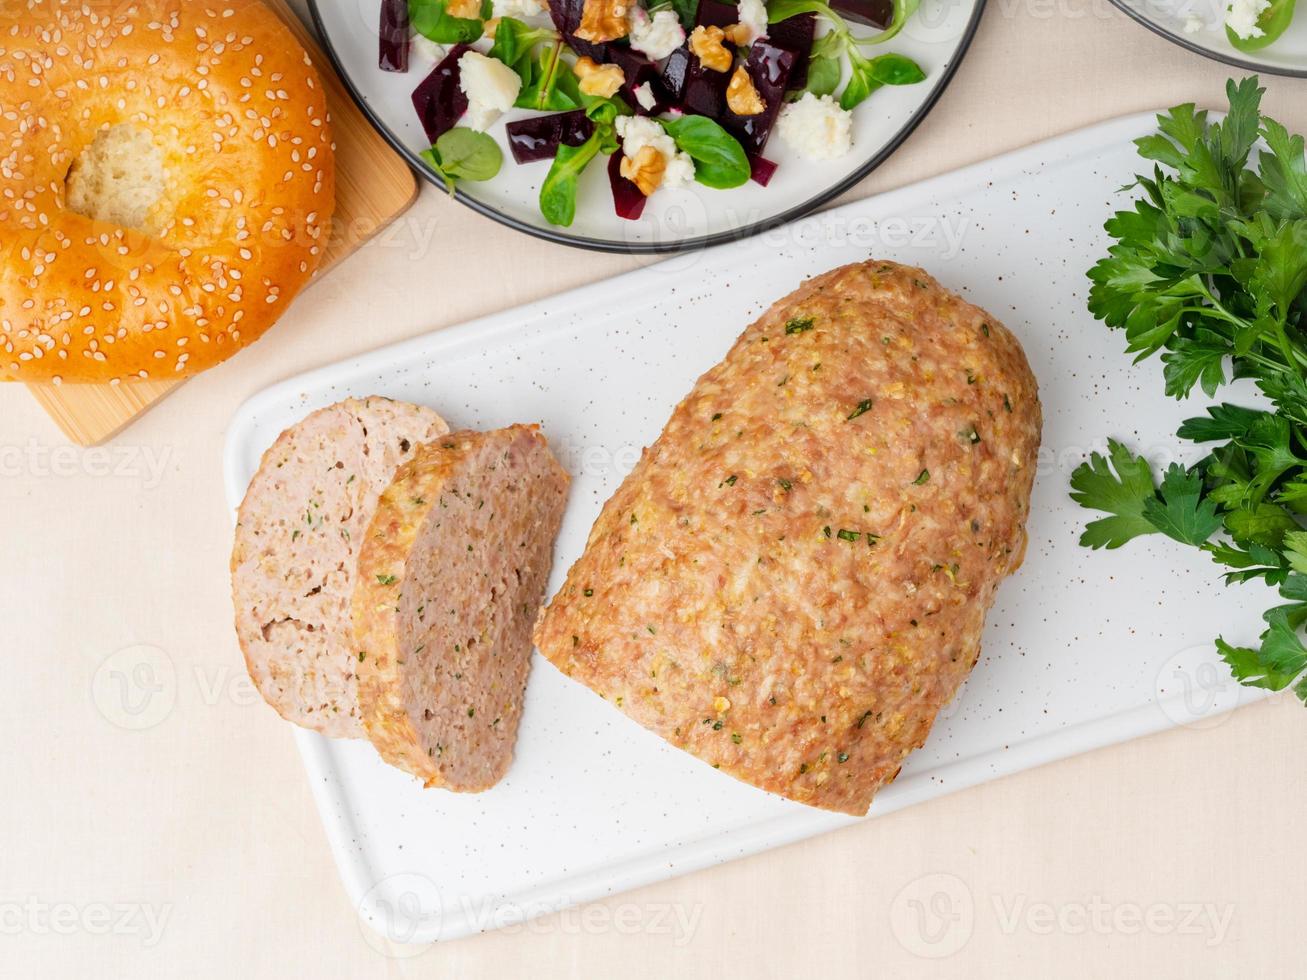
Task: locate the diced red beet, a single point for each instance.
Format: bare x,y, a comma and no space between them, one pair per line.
704,92
539,137
393,35
661,101
627,199
638,70
631,62
566,15
761,170
714,13
795,33
674,71
698,89
439,100
769,66
873,13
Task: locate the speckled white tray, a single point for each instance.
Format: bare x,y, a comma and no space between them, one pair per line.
1082,650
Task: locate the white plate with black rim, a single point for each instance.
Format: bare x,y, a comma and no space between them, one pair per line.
936,37
1199,26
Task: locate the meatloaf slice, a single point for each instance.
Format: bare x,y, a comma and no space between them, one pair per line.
794,578
293,562
452,573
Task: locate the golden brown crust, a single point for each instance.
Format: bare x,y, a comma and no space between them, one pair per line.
794,578
401,514
451,576
231,98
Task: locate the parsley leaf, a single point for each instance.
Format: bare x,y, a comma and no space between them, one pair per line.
1180,511
1224,422
1122,494
1283,172
1200,361
1263,523
1279,660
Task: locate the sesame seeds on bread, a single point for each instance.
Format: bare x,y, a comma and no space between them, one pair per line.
167,182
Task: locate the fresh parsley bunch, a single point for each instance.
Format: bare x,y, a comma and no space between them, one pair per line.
1210,271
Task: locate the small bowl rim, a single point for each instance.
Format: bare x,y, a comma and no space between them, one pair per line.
1211,53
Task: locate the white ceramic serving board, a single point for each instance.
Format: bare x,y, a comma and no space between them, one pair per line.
1083,649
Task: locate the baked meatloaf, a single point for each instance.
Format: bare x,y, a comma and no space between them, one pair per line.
297,539
451,576
794,578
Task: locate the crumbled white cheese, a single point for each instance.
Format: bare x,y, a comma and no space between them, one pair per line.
1241,17
644,95
817,128
1193,24
637,132
427,49
519,8
655,37
490,85
679,172
752,14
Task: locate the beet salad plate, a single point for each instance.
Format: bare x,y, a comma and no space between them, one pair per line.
651,126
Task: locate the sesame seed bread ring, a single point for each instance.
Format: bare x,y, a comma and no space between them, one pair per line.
166,184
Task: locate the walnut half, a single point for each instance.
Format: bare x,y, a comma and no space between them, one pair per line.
706,44
742,95
467,9
645,170
596,79
603,20
737,34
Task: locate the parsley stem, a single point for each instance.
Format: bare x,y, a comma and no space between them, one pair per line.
1291,352
1293,355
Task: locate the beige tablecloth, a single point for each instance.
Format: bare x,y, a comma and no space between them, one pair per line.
191,847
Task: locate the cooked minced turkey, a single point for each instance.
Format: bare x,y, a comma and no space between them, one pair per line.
297,539
794,578
451,577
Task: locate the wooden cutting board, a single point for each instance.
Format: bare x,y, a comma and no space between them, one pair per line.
373,186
